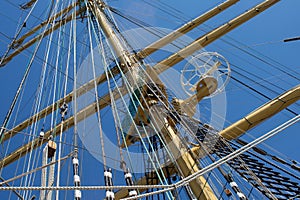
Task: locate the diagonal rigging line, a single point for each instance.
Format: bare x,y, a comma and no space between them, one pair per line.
32,171
174,10
255,90
203,40
46,32
181,183
225,159
241,150
170,61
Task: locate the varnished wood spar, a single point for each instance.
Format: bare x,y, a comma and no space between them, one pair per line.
240,127
39,37
167,169
28,4
235,130
204,40
269,109
44,23
86,87
212,36
261,114
69,122
204,88
186,163
119,49
49,109
184,29
142,54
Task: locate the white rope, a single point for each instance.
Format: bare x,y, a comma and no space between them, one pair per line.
150,193
170,187
128,86
225,159
62,125
44,172
76,178
18,32
34,125
32,171
96,95
154,123
38,99
239,151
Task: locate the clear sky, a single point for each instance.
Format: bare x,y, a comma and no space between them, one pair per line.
255,50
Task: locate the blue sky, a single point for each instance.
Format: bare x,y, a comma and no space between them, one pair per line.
264,33
262,37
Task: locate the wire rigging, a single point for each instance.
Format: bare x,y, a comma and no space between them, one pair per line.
135,86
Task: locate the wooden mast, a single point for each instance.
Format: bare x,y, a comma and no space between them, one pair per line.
240,127
160,67
102,78
168,131
186,165
104,100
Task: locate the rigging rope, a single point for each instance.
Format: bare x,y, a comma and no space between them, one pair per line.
128,86
34,126
291,39
17,34
75,160
97,99
225,159
98,110
239,81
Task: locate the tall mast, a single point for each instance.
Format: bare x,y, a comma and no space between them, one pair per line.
123,55
110,34
102,78
160,67
187,163
105,99
199,186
